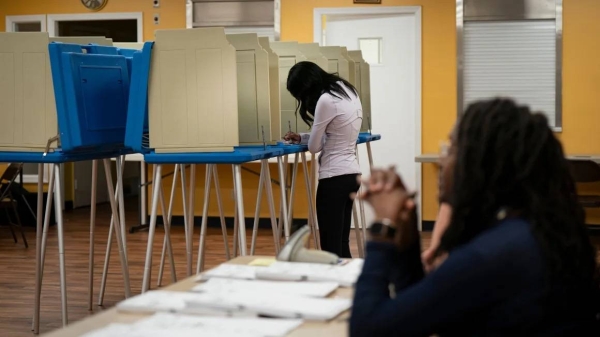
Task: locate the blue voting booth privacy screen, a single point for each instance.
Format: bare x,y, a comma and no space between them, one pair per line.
91,87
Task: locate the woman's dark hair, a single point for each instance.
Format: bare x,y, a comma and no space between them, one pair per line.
307,82
507,157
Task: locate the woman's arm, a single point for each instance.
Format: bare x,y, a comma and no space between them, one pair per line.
325,112
422,306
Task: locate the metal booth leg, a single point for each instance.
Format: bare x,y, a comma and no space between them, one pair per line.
237,179
221,213
166,240
271,200
61,244
38,249
191,216
92,236
257,211
202,240
152,229
311,208
118,225
283,192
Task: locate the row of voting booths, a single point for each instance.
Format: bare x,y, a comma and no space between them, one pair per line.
193,96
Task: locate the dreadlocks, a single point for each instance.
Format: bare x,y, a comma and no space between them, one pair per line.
508,158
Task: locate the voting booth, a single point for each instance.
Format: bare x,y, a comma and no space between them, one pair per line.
192,101
363,84
289,55
312,52
253,92
337,62
274,89
351,66
28,114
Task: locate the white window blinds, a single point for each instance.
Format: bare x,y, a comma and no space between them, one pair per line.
514,59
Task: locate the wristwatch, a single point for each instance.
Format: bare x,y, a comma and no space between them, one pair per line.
383,228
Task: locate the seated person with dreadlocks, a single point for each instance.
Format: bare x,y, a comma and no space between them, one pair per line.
518,262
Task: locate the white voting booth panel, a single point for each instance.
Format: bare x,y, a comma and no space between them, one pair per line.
192,101
274,95
129,45
337,62
363,84
351,67
312,52
289,55
253,91
99,40
28,111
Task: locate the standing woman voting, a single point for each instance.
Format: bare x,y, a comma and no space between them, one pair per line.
331,107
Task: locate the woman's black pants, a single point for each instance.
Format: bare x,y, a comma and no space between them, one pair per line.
334,212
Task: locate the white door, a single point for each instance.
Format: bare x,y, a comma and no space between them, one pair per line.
389,45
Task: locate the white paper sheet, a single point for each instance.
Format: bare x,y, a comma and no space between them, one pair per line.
170,301
269,288
345,275
283,306
232,271
168,325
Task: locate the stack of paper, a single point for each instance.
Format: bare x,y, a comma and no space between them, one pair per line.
231,271
193,326
345,275
267,288
170,301
273,306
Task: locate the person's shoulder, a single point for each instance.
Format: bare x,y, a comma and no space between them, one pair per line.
510,239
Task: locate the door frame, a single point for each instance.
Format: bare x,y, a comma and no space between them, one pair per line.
54,19
415,11
11,20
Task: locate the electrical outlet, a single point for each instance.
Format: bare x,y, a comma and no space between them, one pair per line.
156,19
156,3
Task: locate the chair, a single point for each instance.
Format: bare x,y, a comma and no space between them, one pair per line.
586,171
8,202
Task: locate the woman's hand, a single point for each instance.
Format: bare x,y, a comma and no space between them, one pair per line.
386,193
292,137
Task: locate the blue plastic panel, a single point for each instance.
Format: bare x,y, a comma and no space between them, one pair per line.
239,155
58,157
285,148
92,92
137,116
365,137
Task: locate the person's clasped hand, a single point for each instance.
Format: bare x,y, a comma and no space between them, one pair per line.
292,137
387,194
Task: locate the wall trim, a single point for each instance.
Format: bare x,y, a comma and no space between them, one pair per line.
53,20
12,19
411,10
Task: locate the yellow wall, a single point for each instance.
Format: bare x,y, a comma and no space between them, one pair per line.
172,12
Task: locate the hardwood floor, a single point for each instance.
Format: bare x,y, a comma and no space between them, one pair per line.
17,268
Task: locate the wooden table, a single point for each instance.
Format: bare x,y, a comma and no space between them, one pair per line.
336,327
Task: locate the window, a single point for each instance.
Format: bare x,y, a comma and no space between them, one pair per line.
372,50
514,59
